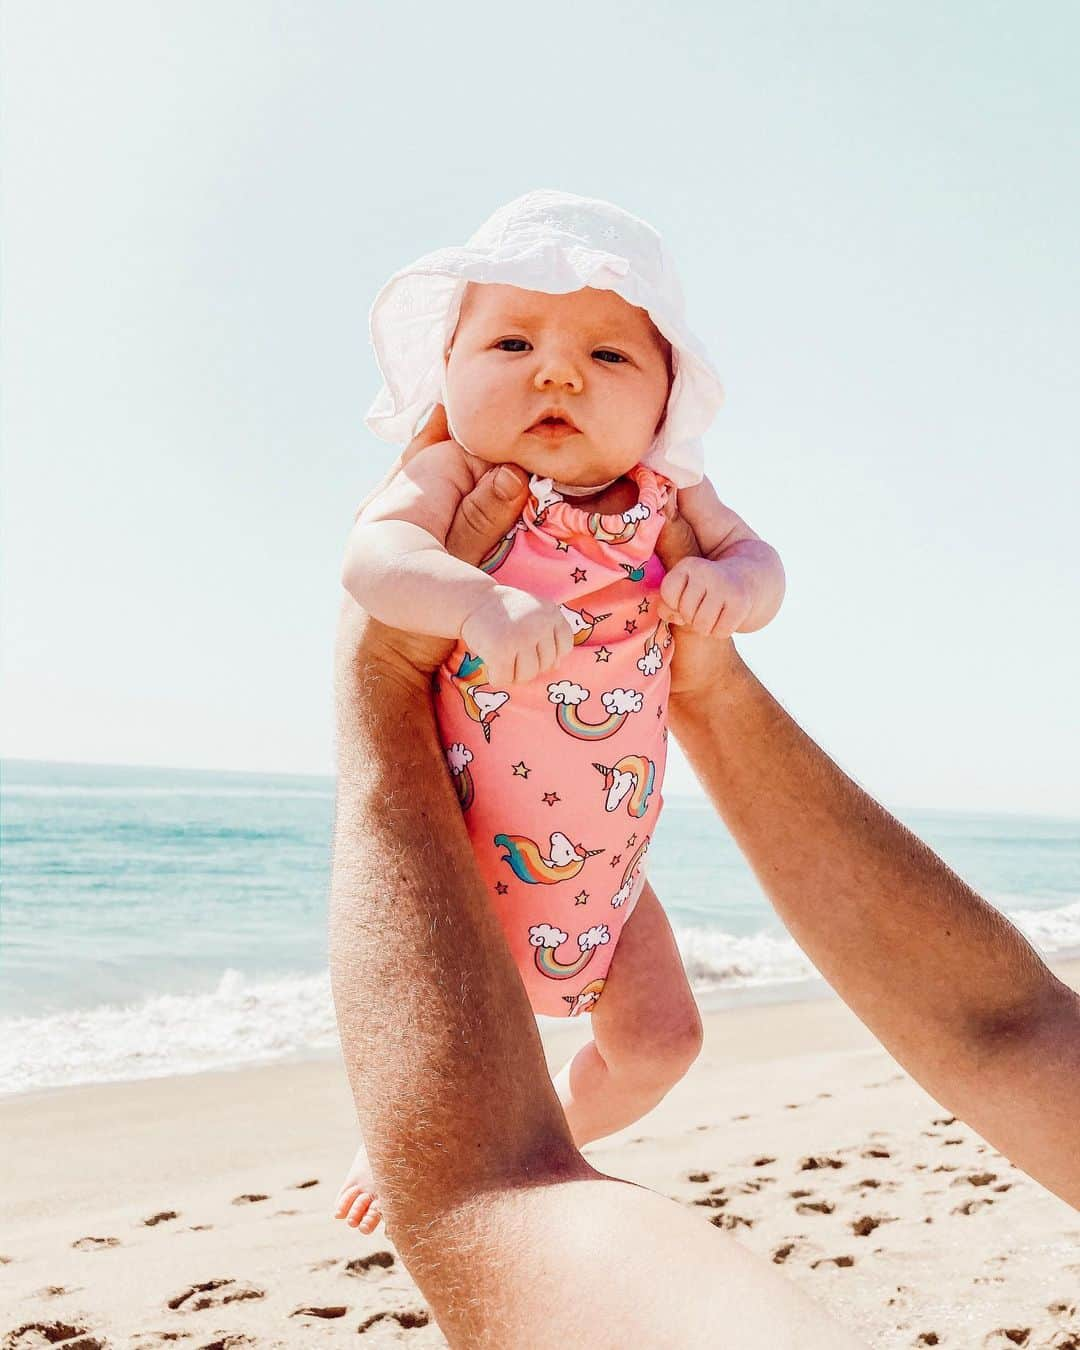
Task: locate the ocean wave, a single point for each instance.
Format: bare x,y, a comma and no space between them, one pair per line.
144,790
241,1022
246,1021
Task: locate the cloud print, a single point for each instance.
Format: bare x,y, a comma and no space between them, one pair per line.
547,935
594,937
622,700
638,512
457,756
622,894
651,662
566,691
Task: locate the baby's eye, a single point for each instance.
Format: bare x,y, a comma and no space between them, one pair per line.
609,353
520,341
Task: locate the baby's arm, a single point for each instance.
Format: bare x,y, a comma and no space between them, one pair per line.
397,568
736,586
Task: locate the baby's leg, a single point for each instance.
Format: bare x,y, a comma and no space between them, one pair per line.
646,1034
646,1031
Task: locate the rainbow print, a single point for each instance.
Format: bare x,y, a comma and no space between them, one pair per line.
499,554
529,864
599,531
585,999
546,940
631,780
481,706
568,696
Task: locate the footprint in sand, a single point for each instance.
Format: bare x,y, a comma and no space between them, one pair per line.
1006,1336
337,1310
876,1153
249,1199
810,1164
730,1221
233,1341
408,1320
714,1200
699,1178
95,1244
213,1294
303,1185
833,1261
815,1207
865,1226
363,1265
32,1334
928,1338
975,1179
163,1217
972,1206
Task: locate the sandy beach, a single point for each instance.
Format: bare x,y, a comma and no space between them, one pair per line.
195,1210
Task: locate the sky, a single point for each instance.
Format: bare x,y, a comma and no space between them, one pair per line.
873,209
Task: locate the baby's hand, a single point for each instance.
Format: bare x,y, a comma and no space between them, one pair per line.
712,598
516,635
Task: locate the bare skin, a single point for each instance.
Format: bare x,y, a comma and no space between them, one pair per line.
491,1206
483,1155
646,1029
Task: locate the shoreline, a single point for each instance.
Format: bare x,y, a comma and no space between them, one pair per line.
554,1032
795,1130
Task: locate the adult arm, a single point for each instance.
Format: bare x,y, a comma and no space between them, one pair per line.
950,987
513,1238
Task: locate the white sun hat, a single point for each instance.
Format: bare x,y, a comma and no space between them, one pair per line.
548,241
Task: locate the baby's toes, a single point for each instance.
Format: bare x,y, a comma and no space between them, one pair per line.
360,1208
372,1218
345,1199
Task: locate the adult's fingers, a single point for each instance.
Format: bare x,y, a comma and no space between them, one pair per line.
677,539
434,430
488,512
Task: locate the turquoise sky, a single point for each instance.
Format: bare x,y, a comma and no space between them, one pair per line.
874,210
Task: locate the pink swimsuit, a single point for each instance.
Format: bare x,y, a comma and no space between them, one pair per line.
559,777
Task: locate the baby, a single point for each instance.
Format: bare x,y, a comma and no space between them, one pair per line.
556,341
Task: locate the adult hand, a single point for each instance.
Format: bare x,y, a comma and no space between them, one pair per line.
484,516
698,660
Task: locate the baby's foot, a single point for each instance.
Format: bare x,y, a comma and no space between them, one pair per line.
357,1202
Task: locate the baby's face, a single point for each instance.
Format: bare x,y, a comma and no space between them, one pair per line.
516,353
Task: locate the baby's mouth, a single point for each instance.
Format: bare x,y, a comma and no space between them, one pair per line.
553,426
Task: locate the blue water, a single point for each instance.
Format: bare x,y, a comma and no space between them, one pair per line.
163,920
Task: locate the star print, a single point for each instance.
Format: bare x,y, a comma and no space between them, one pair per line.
581,897
643,608
520,770
602,654
665,735
579,574
616,860
630,625
561,547
631,841
501,887
550,798
659,712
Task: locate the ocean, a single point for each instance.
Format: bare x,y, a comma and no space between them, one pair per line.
162,921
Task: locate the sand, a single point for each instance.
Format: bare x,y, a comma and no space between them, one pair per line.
194,1211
